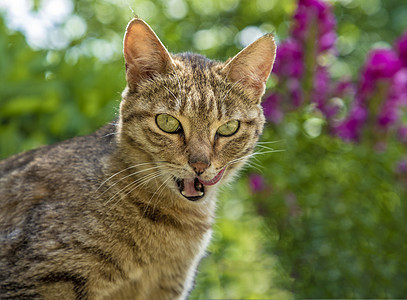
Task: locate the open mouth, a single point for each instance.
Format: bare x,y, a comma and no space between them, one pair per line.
191,189
194,188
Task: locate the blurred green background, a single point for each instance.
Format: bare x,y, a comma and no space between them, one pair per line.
331,222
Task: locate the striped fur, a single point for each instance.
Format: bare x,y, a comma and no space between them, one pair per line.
102,216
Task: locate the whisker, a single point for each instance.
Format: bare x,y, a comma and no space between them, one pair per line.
146,179
137,183
241,158
269,151
109,134
131,167
265,147
254,154
160,189
255,165
142,182
272,142
131,174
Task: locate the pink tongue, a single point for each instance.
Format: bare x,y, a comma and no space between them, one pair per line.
214,180
189,188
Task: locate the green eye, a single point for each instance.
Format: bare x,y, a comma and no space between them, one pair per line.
167,123
228,128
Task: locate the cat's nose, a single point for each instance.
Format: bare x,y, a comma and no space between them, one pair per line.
199,166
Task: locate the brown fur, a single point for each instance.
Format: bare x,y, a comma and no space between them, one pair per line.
101,216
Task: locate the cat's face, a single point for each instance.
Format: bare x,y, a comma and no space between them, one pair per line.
196,120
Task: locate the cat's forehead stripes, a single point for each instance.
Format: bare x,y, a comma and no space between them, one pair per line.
207,94
196,93
198,80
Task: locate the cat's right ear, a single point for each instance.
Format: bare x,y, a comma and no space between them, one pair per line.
144,54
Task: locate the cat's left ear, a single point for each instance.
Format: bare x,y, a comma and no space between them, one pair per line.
251,67
144,53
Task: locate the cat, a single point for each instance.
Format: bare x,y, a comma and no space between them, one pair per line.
126,212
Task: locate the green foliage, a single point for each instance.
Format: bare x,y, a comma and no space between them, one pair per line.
45,99
337,212
330,223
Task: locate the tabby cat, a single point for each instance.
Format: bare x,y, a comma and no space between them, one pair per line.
126,212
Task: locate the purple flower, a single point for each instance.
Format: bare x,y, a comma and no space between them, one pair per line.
321,89
388,116
350,128
401,167
256,183
315,15
314,22
271,108
396,98
381,64
294,91
382,88
345,87
289,60
399,86
401,170
327,41
401,47
402,134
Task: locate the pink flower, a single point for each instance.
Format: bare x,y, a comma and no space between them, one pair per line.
382,91
345,88
350,129
381,64
401,167
256,183
271,108
314,23
295,92
289,60
402,134
321,90
399,86
401,170
315,15
390,111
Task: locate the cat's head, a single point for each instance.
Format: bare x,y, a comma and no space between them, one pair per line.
193,121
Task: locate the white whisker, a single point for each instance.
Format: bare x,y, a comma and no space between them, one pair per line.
254,154
159,190
109,134
127,176
131,167
272,142
134,185
255,165
265,147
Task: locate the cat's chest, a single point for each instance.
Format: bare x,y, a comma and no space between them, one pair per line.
175,251
170,259
173,244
